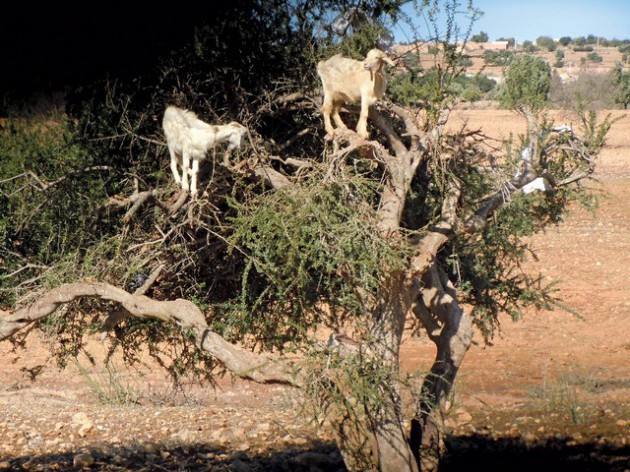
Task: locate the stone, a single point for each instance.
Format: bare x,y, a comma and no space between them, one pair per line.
85,428
83,460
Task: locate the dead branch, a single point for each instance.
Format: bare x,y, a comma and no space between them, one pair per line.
181,199
294,138
43,186
140,199
272,177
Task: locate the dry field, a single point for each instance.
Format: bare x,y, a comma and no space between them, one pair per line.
551,392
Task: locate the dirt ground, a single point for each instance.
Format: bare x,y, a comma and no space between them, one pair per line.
551,392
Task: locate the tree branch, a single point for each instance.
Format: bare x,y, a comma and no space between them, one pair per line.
242,362
381,123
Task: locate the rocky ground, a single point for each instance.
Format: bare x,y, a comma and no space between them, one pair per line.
552,392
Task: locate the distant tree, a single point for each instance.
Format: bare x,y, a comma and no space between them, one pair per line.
591,39
547,43
621,80
497,58
526,88
529,47
511,41
565,40
579,41
411,59
559,59
482,37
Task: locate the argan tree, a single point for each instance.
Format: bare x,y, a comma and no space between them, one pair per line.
358,236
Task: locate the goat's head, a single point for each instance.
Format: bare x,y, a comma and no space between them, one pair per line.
237,134
374,60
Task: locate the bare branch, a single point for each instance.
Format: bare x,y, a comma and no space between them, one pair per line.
381,123
242,362
272,177
294,138
121,313
46,185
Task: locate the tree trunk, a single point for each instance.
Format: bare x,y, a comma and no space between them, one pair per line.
427,428
380,430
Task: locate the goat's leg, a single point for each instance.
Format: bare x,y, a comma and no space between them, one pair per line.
327,108
174,170
335,114
185,169
362,124
193,177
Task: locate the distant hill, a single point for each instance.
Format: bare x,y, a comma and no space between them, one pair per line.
575,63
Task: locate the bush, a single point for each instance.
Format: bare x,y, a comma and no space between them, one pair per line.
482,37
547,43
529,47
498,58
594,57
565,40
411,88
526,85
582,48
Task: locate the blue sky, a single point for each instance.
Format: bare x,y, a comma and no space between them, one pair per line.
529,19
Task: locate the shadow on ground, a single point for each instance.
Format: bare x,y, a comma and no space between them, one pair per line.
476,452
480,452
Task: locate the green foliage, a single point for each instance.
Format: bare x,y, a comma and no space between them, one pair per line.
481,37
565,40
529,47
526,86
511,41
109,387
546,42
594,57
304,248
498,58
621,80
581,48
51,192
411,88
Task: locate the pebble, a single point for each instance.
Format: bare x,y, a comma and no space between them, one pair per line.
5,465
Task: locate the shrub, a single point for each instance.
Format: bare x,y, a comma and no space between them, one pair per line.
529,47
547,43
482,37
498,58
565,40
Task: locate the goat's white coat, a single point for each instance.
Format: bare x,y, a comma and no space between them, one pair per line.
189,139
347,80
538,184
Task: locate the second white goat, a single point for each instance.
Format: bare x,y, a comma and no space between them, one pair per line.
189,139
347,80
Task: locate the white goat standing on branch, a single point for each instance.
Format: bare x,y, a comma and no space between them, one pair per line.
347,80
189,139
